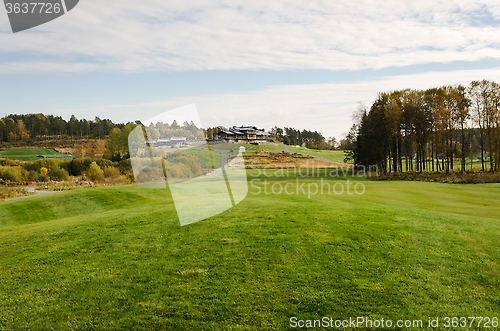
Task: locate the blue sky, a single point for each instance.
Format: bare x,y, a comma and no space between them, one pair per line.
304,64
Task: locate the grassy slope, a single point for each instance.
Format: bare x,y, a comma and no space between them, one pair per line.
26,154
117,258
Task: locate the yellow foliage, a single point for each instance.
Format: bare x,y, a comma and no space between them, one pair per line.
95,172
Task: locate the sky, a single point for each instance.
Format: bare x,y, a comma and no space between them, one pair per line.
302,64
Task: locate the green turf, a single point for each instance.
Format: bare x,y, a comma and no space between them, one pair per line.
26,154
116,257
228,146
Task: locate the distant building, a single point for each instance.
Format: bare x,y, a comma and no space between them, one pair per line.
245,134
167,142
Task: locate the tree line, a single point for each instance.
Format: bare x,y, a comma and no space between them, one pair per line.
310,139
15,128
90,138
30,127
118,140
419,130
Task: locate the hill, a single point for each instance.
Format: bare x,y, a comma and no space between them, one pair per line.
117,258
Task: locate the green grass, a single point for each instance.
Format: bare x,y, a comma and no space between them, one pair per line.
26,154
228,146
116,257
335,156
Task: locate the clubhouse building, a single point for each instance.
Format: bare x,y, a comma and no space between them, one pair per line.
245,134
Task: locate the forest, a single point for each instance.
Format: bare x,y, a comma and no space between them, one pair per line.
310,139
15,128
426,130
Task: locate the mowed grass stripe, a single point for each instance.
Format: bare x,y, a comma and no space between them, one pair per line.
462,199
26,154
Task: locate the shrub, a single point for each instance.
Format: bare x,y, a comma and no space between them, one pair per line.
57,173
110,172
11,192
43,178
103,163
9,175
43,171
33,176
95,173
42,163
130,179
23,174
77,167
9,162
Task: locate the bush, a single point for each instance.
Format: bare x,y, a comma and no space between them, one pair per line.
9,175
110,172
103,163
24,175
42,163
125,165
33,176
58,174
77,167
95,173
43,178
11,192
9,162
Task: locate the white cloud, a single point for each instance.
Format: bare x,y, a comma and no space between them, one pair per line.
155,35
323,107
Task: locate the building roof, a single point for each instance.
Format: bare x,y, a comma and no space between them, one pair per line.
244,130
